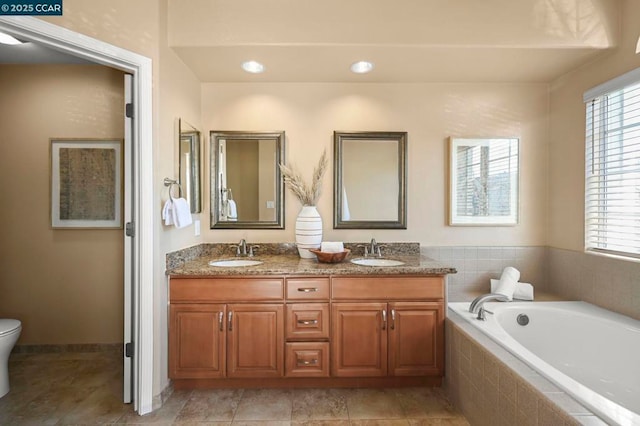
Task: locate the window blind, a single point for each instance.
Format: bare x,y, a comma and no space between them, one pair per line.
612,187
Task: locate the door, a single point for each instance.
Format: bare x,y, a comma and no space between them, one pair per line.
196,341
359,339
129,251
416,346
255,340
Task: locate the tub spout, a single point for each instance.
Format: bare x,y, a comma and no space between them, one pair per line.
477,303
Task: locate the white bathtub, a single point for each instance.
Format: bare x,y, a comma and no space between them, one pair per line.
591,353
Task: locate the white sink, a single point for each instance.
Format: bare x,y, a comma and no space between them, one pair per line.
231,263
373,261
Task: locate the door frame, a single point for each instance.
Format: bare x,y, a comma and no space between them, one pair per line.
140,67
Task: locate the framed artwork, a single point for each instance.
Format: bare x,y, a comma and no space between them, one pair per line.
86,183
484,181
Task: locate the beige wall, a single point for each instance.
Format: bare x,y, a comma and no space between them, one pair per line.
65,286
567,130
430,113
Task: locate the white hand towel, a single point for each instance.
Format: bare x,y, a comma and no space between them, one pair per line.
523,291
508,281
232,210
332,246
181,213
167,212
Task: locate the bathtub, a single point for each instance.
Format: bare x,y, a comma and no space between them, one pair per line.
589,352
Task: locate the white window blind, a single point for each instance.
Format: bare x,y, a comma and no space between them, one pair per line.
612,208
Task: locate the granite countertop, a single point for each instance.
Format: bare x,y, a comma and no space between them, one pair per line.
294,265
283,259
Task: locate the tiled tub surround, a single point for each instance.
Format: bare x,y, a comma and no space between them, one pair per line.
492,387
476,265
611,283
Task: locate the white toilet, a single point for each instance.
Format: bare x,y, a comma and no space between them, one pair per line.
9,333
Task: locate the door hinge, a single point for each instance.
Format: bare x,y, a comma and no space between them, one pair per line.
130,229
128,110
128,350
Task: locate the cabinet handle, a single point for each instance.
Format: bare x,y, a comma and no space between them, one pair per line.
307,322
393,319
310,362
220,320
384,319
230,320
308,289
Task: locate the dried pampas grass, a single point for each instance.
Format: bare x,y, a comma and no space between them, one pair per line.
308,195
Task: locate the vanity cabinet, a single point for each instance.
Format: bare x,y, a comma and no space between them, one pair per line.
401,337
373,330
235,340
307,327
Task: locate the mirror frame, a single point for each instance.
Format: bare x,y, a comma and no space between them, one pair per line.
192,193
215,136
339,139
454,220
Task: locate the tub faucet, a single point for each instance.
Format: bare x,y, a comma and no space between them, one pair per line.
479,301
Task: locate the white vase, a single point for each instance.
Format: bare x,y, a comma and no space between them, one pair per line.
308,231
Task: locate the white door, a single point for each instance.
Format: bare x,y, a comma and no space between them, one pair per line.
129,229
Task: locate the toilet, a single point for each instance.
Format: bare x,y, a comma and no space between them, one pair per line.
9,333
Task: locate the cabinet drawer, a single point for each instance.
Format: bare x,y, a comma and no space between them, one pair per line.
307,321
225,289
387,288
307,359
308,289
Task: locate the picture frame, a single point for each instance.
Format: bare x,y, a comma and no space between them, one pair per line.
484,181
86,183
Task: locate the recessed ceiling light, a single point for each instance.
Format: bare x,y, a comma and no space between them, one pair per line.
7,39
253,67
361,67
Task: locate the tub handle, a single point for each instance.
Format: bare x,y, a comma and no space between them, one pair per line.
481,314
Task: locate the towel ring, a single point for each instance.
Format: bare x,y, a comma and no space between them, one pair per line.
170,183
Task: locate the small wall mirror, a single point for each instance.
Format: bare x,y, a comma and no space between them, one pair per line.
370,180
189,164
484,177
247,188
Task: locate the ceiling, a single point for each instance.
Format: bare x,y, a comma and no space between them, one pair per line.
502,41
407,40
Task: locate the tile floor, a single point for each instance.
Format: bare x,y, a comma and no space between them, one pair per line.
85,388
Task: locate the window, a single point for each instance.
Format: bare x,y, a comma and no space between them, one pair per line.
612,187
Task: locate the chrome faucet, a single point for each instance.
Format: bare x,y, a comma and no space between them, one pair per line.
241,248
373,247
476,307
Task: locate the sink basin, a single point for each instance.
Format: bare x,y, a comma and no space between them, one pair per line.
367,261
232,263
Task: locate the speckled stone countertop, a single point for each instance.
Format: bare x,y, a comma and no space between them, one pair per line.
283,259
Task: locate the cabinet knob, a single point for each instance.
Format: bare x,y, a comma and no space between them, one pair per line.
307,322
220,321
230,320
393,319
310,362
308,289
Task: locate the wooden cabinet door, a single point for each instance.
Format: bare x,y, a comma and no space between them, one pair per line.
358,339
255,340
416,343
196,341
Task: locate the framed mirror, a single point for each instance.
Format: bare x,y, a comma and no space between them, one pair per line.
483,181
247,188
370,180
189,149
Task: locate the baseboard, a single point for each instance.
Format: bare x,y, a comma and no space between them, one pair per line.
72,347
